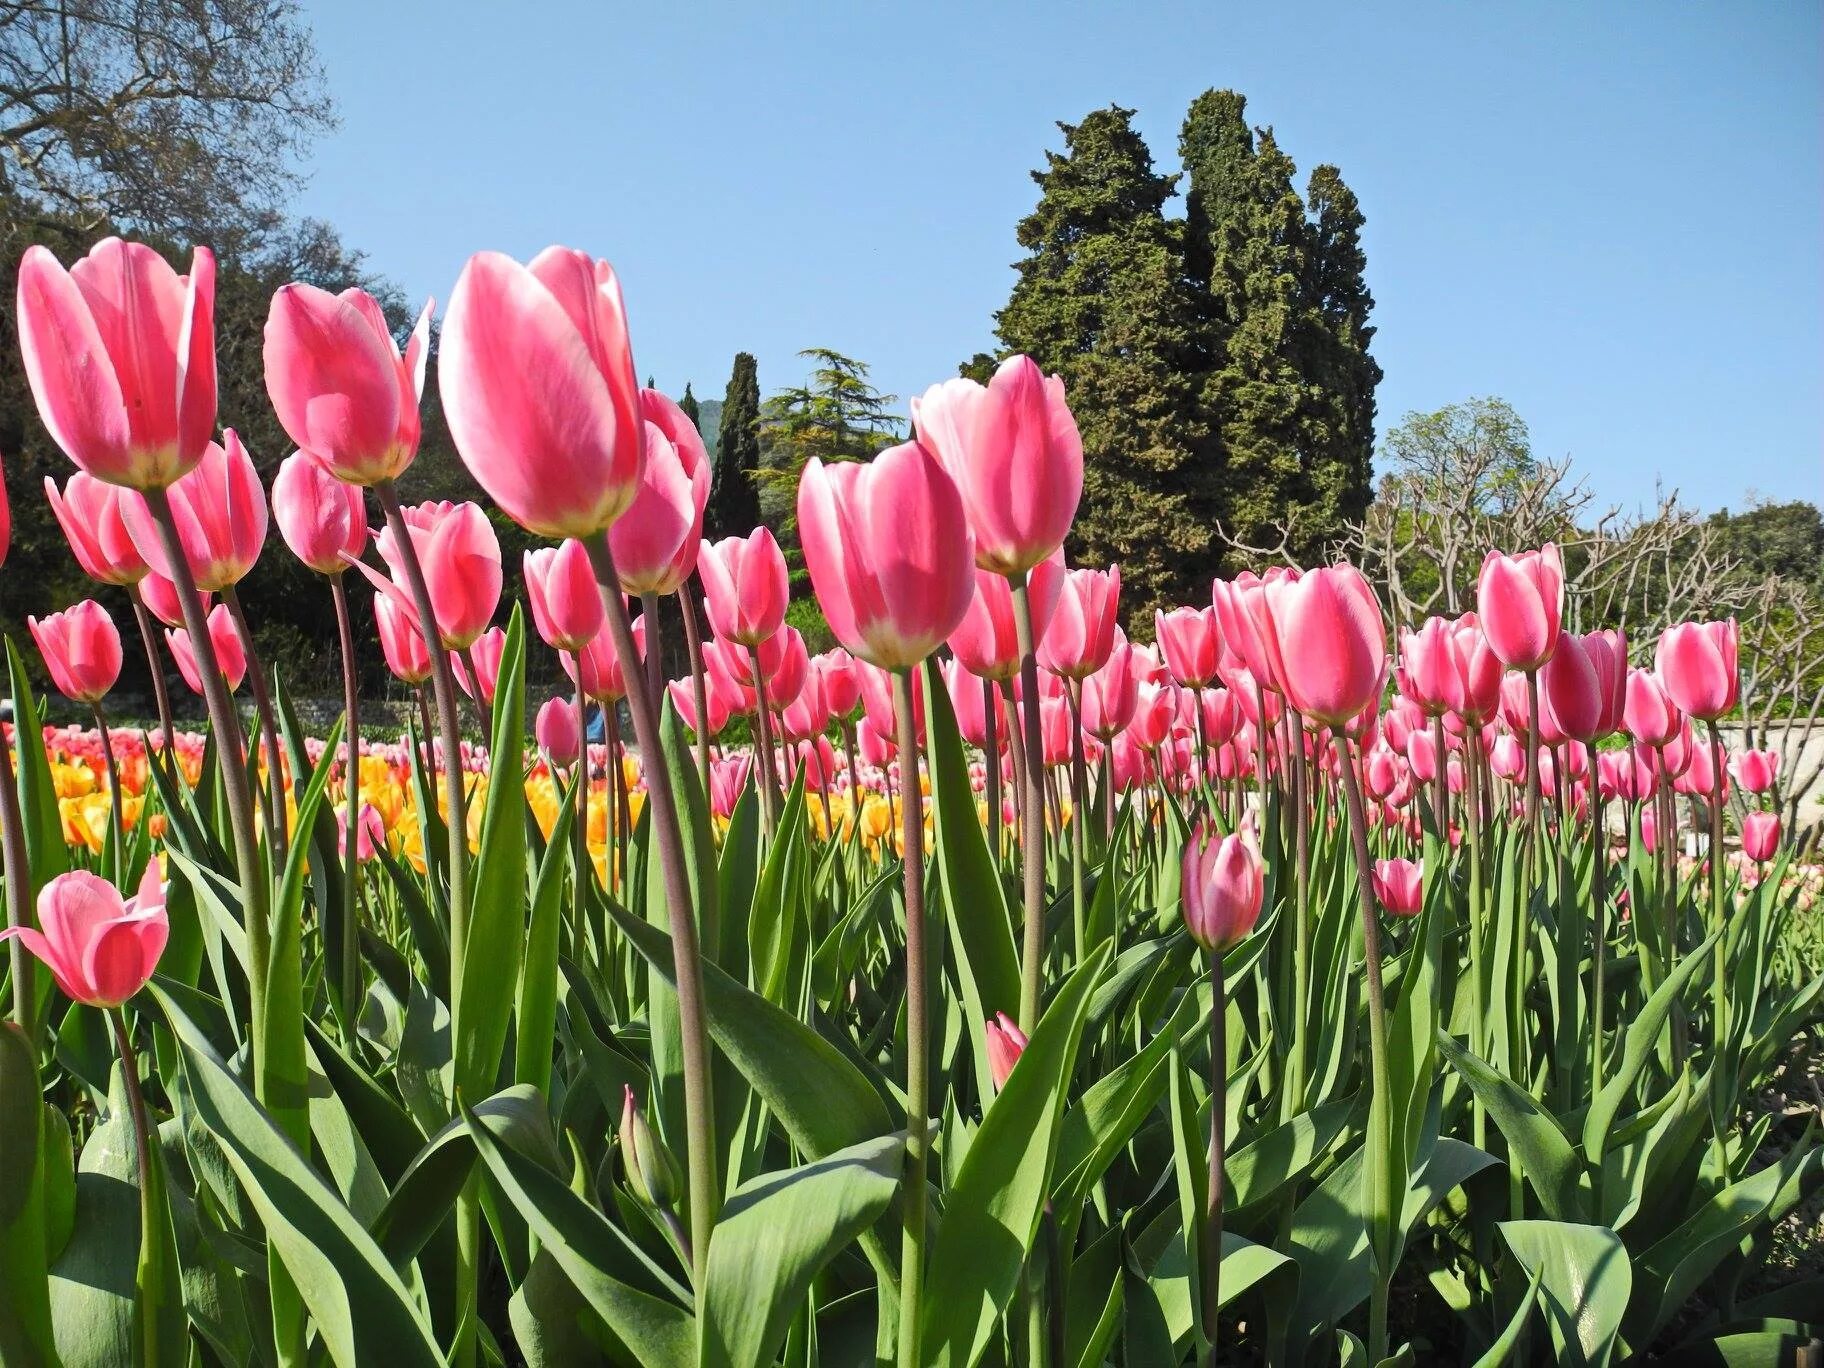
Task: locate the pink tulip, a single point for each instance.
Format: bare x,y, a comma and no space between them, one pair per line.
1471,684
1383,771
401,642
655,544
1761,836
877,702
986,641
1650,716
1584,686
161,599
1082,630
1221,888
99,948
120,355
337,381
1155,709
460,556
1327,633
841,686
1756,770
1619,776
1675,755
1516,708
1111,694
566,601
1422,756
219,507
966,699
1222,717
887,548
1399,887
717,697
1520,600
727,782
1649,830
1006,1043
536,372
807,713
744,586
1189,642
370,832
1013,450
230,652
81,649
1706,765
89,512
1507,758
601,676
725,665
321,518
487,650
1696,662
557,734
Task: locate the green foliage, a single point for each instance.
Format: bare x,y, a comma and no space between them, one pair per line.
734,501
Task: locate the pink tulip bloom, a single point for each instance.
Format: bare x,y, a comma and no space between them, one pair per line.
556,732
1761,836
1111,694
716,701
807,713
89,511
1471,683
887,547
841,686
1189,642
1649,830
601,676
370,832
219,507
1422,756
161,599
565,598
120,355
341,388
81,650
744,586
1013,450
877,703
1399,887
401,642
721,662
1328,635
1696,662
536,373
1383,771
460,556
322,519
487,650
1520,600
1584,686
727,782
1155,709
655,543
986,641
783,663
1222,717
1082,630
1756,770
1702,770
1221,888
966,699
1507,758
1516,708
1426,663
230,652
99,948
1006,1043
1649,715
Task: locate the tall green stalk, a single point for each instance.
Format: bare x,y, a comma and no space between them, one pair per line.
1032,815
918,1030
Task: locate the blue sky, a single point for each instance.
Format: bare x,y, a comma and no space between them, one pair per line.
1610,215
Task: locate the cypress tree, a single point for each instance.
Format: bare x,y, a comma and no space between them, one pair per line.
1101,301
734,501
1342,373
688,404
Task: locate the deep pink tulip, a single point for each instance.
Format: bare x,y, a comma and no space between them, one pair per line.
370,832
1507,757
966,700
557,734
1082,630
566,601
162,601
230,652
1649,830
727,782
1427,661
887,547
1111,694
716,702
120,354
461,559
1222,716
1221,888
81,649
1696,662
220,510
1761,836
1471,683
1584,686
841,687
487,650
784,665
986,641
536,373
1399,887
1013,450
100,948
89,511
1756,770
1189,642
655,543
322,519
1006,1043
1328,635
400,641
1650,715
1699,778
1383,771
602,679
337,380
744,586
1520,601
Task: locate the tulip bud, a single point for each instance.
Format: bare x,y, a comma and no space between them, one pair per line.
1755,770
1221,886
1399,887
1006,1042
1760,836
652,1171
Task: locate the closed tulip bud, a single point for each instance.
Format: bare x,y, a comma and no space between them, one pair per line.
1649,715
370,832
230,652
1584,686
401,642
557,734
339,384
1520,602
81,650
1706,766
784,665
486,651
1422,756
1155,709
655,543
986,641
1222,884
744,586
652,1171
1245,625
1189,643
885,543
841,688
1221,716
89,512
219,507
1006,1043
565,599
1330,641
1761,836
1472,679
1756,770
1507,758
1382,772
1111,694
536,373
1399,887
322,519
1082,629
1426,664
1516,708
119,352
807,712
100,948
460,556
161,599
727,782
1012,449
1649,830
596,669
966,701
1696,662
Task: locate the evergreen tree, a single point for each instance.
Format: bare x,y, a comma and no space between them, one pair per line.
1342,375
734,502
1101,301
689,406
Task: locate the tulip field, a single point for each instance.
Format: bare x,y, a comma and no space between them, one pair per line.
1299,987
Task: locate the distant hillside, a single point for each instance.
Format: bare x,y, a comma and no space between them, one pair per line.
709,423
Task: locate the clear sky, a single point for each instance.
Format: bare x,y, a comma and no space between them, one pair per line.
1610,215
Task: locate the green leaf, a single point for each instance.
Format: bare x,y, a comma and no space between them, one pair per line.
1502,1350
776,1232
1551,1165
1584,1279
992,1211
26,1334
363,1312
535,1016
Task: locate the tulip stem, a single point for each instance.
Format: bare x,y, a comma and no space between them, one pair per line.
1079,795
484,711
1478,917
142,1151
687,967
155,665
1032,836
18,894
1301,945
1212,1208
351,806
699,688
116,804
1719,957
918,1043
1384,1186
991,768
655,656
1598,917
579,838
769,771
269,731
